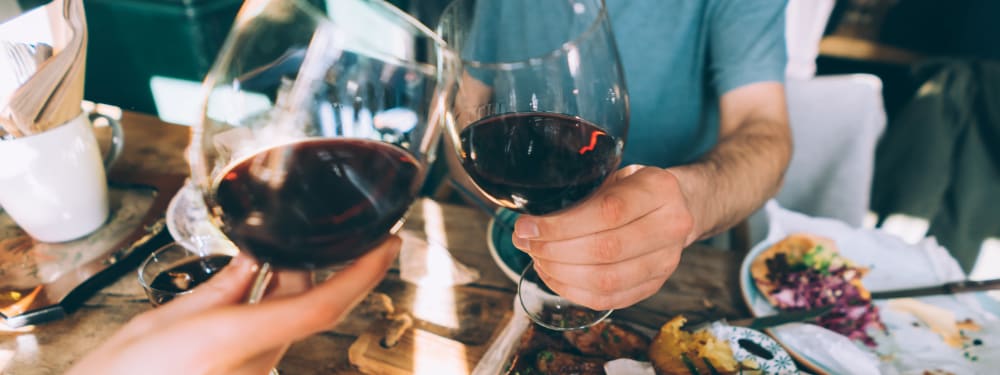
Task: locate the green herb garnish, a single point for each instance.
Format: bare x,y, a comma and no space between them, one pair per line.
546,356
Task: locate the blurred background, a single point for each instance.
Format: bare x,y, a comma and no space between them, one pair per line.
913,84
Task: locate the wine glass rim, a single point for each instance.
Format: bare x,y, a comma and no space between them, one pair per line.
323,20
565,47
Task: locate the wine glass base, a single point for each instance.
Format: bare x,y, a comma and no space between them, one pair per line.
549,310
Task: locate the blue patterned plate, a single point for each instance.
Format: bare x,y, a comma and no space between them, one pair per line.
756,346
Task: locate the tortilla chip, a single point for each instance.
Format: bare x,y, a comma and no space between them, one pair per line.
794,247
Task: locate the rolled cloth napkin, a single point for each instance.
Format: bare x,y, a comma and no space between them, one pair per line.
53,93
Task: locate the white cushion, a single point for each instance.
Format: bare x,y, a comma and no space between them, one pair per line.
836,123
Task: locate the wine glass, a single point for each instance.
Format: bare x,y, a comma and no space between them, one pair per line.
538,115
316,133
174,270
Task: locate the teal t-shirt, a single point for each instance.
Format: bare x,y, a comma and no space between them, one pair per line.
679,57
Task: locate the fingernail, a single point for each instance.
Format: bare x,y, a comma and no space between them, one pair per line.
525,228
244,263
522,244
538,268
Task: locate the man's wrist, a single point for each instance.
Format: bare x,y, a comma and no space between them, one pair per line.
692,184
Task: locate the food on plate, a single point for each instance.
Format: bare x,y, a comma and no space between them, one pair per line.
675,351
549,362
609,341
804,271
940,320
584,351
536,339
541,351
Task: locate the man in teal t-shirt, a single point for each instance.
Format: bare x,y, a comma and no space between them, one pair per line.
680,56
708,139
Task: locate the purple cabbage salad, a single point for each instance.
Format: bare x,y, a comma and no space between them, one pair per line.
823,278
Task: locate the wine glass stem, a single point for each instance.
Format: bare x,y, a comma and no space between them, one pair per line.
257,291
260,284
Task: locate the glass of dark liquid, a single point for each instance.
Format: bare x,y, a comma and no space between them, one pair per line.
538,115
317,131
174,270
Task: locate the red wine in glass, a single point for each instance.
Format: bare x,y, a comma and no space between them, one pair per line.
538,162
317,202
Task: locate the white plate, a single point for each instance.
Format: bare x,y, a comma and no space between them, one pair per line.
894,265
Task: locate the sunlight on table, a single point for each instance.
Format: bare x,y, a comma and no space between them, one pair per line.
6,357
435,299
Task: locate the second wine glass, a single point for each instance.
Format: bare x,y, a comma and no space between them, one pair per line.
539,115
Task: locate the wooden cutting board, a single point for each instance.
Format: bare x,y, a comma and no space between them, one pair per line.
429,347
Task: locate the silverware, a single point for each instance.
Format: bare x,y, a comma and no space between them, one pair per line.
965,286
22,59
21,62
654,320
53,94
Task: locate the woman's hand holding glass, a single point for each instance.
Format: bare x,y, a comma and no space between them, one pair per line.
212,331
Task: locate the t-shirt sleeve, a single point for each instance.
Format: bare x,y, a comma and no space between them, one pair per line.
746,43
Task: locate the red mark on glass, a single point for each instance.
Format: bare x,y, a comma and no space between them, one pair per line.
593,142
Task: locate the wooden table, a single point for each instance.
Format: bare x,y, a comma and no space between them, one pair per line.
846,47
705,284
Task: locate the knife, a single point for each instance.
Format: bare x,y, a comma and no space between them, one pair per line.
778,319
965,286
653,320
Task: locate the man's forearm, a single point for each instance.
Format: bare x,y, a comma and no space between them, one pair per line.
743,171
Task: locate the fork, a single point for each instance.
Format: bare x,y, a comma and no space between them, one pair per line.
22,59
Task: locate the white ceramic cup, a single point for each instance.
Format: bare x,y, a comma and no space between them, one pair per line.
53,184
